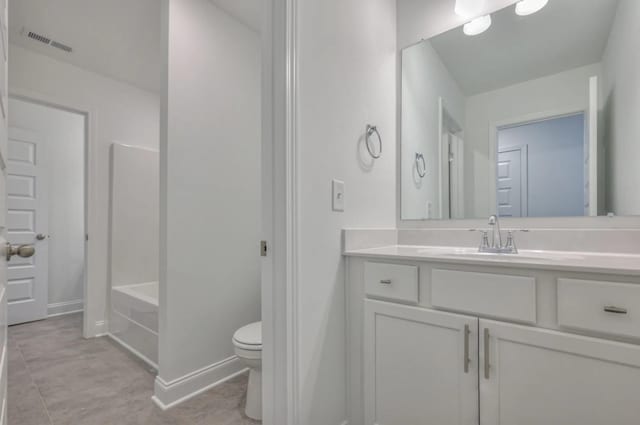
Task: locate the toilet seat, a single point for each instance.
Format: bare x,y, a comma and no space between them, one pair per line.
249,337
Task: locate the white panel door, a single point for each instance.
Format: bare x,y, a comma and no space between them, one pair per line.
420,366
538,376
512,182
27,218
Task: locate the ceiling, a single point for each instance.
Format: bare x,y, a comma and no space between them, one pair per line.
117,38
566,34
248,12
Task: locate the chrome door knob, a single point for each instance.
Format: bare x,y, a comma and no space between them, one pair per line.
24,251
41,237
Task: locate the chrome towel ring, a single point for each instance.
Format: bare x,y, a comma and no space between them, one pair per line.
420,159
371,129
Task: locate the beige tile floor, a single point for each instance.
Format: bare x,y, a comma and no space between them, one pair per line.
58,378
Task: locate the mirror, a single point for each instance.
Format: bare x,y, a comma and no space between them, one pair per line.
535,117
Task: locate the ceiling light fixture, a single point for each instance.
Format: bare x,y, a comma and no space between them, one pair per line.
469,8
529,7
477,26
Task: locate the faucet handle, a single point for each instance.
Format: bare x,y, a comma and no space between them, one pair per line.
484,241
511,242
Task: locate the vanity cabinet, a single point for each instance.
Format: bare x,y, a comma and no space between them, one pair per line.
419,367
539,376
422,364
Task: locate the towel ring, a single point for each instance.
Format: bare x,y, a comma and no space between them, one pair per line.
419,159
371,129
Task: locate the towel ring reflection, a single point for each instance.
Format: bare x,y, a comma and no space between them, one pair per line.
419,159
371,129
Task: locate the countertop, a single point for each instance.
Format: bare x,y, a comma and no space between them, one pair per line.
623,264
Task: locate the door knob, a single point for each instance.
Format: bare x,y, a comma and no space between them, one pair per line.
24,251
41,237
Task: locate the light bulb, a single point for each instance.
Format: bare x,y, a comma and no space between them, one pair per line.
469,8
529,7
477,26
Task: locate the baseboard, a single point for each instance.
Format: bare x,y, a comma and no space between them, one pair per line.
169,394
65,307
135,352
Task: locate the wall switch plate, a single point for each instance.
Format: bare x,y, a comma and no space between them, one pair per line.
337,195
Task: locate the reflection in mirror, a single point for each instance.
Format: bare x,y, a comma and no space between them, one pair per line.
535,117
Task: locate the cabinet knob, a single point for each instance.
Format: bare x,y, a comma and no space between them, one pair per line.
386,281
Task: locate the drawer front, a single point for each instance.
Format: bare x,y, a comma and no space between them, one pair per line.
606,307
391,281
495,295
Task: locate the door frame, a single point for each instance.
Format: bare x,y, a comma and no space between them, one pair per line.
279,269
495,126
94,322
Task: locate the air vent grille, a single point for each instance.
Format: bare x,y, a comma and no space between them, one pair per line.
38,37
61,46
48,41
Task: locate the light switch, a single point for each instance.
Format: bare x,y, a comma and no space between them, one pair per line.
337,195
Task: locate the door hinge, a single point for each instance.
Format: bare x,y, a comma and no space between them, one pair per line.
263,248
86,236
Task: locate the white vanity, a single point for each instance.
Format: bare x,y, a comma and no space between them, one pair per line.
499,118
445,336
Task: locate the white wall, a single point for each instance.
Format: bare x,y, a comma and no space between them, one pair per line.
621,90
135,217
424,79
210,189
347,78
117,112
64,135
563,92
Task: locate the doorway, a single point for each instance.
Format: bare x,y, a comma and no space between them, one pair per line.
46,202
541,170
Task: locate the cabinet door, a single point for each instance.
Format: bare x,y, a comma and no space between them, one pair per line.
537,376
420,366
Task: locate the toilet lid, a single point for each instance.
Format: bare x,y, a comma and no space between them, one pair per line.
250,334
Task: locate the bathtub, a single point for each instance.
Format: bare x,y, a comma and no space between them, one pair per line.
134,319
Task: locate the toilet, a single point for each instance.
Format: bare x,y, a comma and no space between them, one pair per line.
248,347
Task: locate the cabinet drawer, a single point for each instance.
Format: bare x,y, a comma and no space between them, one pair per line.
606,307
391,281
495,295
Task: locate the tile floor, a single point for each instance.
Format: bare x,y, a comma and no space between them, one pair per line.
58,378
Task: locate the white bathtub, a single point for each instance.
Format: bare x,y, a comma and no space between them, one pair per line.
134,319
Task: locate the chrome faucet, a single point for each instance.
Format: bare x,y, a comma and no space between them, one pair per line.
496,246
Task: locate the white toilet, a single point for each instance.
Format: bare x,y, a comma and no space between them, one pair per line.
248,346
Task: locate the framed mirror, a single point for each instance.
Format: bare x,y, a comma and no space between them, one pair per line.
535,116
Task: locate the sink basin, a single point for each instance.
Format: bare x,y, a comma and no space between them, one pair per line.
473,253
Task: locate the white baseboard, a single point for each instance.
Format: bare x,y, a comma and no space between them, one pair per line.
135,352
65,307
169,394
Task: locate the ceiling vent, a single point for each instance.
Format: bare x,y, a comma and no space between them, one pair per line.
46,40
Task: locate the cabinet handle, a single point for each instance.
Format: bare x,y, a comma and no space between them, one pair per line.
386,281
614,309
487,365
467,360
